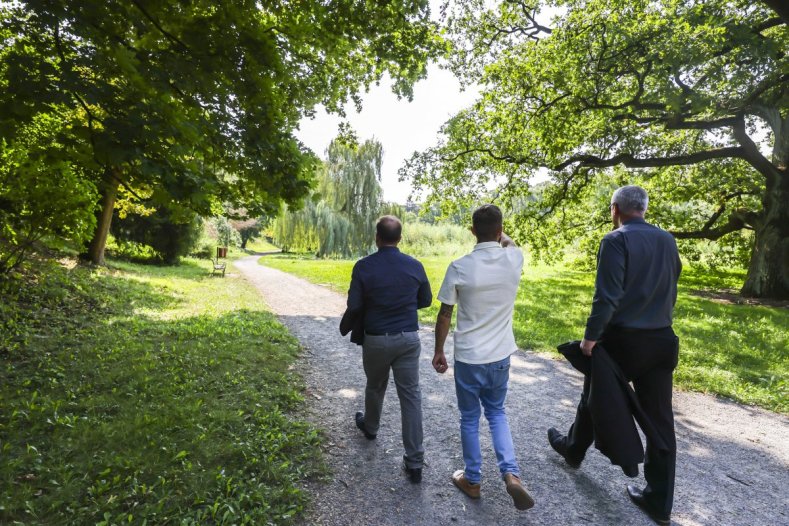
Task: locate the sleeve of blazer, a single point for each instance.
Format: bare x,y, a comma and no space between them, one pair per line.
608,287
424,296
355,304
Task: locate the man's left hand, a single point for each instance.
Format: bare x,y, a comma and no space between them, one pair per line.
587,346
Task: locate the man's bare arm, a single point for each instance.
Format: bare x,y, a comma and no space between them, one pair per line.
443,321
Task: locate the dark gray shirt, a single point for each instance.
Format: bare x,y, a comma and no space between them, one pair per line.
638,268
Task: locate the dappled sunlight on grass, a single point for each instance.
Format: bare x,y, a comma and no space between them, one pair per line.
143,391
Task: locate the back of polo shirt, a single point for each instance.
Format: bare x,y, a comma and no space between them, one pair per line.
483,285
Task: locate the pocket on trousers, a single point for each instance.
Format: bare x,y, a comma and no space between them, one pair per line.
503,365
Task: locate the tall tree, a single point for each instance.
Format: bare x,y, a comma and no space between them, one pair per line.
352,187
339,220
198,100
685,93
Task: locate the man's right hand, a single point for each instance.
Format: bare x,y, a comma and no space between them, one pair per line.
506,241
440,362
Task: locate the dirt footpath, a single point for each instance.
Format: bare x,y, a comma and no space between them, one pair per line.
732,463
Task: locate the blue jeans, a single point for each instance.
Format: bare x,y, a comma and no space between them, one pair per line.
486,384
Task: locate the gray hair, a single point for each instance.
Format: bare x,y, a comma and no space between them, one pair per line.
630,199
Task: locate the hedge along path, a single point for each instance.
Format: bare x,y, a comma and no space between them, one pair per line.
732,463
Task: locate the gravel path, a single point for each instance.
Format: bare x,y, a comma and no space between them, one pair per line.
732,465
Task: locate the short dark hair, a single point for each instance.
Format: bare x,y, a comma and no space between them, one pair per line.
389,229
487,220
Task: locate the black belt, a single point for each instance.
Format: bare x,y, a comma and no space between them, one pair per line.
634,330
368,333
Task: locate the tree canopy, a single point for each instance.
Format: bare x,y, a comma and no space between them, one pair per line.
692,97
196,102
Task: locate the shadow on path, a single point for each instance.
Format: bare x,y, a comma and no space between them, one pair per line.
732,466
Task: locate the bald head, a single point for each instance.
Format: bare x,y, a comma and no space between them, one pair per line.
388,230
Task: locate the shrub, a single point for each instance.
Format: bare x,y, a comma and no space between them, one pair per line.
423,239
227,236
171,235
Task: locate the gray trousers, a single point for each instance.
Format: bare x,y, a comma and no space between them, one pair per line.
400,353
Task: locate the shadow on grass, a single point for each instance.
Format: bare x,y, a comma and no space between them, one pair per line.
109,414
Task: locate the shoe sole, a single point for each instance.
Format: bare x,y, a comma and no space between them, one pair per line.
520,497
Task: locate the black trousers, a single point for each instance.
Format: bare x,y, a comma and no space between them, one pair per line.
647,358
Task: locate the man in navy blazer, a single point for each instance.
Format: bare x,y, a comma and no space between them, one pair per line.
386,290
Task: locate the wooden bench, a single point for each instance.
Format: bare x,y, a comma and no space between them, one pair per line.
218,267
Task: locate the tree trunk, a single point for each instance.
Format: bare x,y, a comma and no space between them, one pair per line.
768,272
109,191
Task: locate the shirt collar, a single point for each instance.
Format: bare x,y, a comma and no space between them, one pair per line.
634,220
388,249
487,244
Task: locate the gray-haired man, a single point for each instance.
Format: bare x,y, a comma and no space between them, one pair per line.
636,286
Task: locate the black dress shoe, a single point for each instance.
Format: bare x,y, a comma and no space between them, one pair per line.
414,474
559,444
360,424
637,496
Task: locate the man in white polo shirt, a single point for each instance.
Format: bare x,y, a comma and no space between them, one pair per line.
483,285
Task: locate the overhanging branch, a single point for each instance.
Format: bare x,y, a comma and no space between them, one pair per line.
736,222
628,160
752,154
169,36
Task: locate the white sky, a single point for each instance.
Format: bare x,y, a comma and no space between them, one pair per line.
402,127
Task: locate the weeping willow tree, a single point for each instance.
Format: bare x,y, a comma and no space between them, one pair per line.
339,218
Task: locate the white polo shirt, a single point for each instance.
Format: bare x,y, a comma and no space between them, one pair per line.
483,285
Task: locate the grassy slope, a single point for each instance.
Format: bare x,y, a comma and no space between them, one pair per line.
147,393
739,351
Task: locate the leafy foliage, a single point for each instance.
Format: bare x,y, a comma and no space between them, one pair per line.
197,102
227,236
172,235
249,229
686,95
41,192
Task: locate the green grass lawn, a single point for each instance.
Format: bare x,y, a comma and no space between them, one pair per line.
261,245
738,351
147,394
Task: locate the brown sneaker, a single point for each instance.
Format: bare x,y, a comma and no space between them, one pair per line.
459,480
520,497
